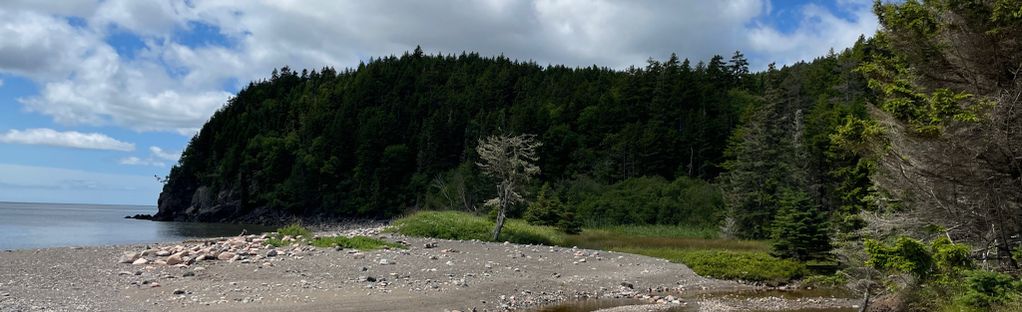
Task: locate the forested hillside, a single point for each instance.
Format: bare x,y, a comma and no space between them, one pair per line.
374,140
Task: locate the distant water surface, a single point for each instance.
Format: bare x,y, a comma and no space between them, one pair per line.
40,225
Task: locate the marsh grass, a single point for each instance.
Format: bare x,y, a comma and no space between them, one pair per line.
699,248
465,226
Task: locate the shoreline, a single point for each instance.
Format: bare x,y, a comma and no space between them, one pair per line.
453,275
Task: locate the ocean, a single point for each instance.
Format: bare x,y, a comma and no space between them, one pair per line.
42,225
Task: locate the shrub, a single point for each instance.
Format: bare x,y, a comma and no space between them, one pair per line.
986,288
546,209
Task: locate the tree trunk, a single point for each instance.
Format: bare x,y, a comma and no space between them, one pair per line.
500,223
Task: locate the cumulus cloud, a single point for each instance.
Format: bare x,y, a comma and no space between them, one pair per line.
818,31
169,84
164,155
158,157
72,139
135,161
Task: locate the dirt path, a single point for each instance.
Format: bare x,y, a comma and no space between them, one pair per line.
453,275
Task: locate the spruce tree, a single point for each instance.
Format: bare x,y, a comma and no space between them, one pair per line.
801,230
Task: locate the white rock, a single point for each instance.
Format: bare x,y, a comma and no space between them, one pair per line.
227,255
128,257
140,261
174,259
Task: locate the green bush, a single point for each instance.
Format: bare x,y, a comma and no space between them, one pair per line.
546,209
465,226
357,242
986,288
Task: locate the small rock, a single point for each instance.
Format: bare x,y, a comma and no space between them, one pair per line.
128,257
162,253
429,245
140,261
386,262
188,274
271,253
174,259
179,292
227,255
627,285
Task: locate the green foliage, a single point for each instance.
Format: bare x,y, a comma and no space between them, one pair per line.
942,262
652,200
356,242
546,209
801,232
986,288
906,255
294,230
465,226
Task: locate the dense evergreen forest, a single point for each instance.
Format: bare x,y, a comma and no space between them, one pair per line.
398,133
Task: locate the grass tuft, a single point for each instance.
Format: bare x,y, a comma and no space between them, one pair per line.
294,230
356,242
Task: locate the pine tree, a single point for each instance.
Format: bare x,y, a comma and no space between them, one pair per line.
801,230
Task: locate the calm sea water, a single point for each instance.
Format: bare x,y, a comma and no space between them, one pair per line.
38,225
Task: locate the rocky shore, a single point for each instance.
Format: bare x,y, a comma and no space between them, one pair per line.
244,274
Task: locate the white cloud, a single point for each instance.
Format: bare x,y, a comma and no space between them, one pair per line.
157,157
169,85
818,31
135,161
72,139
1,82
165,155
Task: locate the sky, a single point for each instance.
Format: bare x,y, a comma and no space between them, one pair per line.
98,98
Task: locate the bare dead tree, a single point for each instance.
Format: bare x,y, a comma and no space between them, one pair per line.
511,160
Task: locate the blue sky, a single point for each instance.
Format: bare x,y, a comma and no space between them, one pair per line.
98,97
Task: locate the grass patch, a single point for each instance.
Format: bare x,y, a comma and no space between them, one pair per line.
357,242
465,226
735,265
609,239
698,248
667,231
